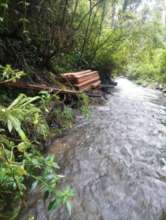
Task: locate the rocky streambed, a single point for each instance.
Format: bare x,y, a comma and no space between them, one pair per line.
116,159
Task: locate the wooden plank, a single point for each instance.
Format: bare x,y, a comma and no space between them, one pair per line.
79,76
84,79
21,85
97,84
79,72
93,95
90,86
85,74
89,81
107,86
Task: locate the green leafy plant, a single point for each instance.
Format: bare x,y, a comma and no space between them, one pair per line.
84,104
20,159
19,111
62,197
64,116
7,73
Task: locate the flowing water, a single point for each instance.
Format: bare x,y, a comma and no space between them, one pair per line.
116,159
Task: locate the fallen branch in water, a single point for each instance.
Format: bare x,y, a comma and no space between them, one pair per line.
21,85
36,87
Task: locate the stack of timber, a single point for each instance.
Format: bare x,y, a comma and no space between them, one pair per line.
83,80
79,81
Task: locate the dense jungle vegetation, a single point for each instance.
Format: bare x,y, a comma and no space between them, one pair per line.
40,39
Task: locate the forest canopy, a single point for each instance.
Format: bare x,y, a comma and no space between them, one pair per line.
74,34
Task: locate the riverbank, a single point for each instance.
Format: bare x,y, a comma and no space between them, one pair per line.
29,122
115,160
152,84
36,205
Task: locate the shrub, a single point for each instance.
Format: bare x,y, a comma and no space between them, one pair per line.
22,160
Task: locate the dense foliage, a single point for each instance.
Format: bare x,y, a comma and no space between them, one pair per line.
64,35
74,34
23,165
148,57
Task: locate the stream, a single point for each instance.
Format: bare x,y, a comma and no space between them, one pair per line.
116,159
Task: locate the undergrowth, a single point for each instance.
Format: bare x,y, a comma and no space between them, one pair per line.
23,165
25,125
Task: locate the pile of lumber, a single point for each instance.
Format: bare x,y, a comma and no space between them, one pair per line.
83,80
